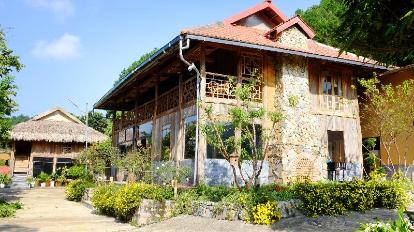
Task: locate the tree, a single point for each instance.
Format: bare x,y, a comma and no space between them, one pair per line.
98,157
249,143
324,19
19,118
97,121
388,112
379,29
8,64
134,65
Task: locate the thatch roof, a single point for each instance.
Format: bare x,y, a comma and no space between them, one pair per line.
52,130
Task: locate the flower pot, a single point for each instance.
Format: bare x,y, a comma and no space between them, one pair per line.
48,183
52,183
37,183
32,185
2,185
43,184
58,183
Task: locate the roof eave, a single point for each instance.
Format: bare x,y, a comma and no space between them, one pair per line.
284,51
126,79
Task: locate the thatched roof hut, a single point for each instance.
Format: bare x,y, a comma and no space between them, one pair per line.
55,125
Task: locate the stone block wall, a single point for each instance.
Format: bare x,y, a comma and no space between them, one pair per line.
151,211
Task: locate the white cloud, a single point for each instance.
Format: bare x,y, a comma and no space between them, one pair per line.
66,47
61,8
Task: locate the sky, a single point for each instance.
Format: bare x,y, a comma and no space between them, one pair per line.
74,50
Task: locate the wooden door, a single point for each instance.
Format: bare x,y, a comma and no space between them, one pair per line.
21,164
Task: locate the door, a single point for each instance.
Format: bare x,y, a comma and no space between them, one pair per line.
21,164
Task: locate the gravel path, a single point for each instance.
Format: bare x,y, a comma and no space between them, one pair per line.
47,210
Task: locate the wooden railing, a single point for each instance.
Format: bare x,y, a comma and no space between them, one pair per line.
220,86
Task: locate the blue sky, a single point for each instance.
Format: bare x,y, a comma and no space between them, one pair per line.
75,49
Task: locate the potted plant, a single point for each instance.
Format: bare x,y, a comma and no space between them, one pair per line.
43,179
53,179
30,180
60,181
4,180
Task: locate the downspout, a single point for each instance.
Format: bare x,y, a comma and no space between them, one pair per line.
191,66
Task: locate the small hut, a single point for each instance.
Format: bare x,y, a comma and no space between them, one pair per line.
48,141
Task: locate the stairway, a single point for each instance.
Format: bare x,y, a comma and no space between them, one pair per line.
19,181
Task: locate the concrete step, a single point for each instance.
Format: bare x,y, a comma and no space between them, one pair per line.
19,181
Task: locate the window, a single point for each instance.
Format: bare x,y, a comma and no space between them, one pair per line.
333,90
64,162
145,135
212,153
166,143
66,148
190,137
42,164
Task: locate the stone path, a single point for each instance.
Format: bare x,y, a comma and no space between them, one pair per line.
343,223
47,210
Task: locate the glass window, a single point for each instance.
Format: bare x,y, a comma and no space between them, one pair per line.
42,164
145,135
190,137
166,143
212,153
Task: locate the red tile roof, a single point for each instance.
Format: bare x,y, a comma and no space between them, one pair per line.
253,10
291,22
255,36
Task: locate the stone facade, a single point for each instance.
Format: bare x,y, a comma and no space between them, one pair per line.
293,38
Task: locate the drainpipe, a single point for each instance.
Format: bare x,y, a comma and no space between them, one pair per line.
191,66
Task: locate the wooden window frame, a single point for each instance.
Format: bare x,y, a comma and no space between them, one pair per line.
334,101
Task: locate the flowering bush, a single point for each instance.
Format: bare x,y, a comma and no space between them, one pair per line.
4,170
266,214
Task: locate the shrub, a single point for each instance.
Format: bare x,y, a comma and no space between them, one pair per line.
399,225
8,209
103,199
76,189
77,172
213,193
5,179
332,198
128,198
266,214
272,192
183,203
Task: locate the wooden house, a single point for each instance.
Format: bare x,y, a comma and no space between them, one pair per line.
48,141
319,138
406,142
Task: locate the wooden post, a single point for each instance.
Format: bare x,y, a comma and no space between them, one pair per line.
202,143
54,164
114,137
11,161
155,130
180,142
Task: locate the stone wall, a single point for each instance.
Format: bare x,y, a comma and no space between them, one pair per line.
301,147
152,211
232,212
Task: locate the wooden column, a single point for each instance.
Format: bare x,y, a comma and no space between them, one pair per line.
155,127
11,161
202,143
180,142
114,138
54,163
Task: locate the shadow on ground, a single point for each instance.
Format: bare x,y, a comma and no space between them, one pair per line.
16,228
349,222
11,194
